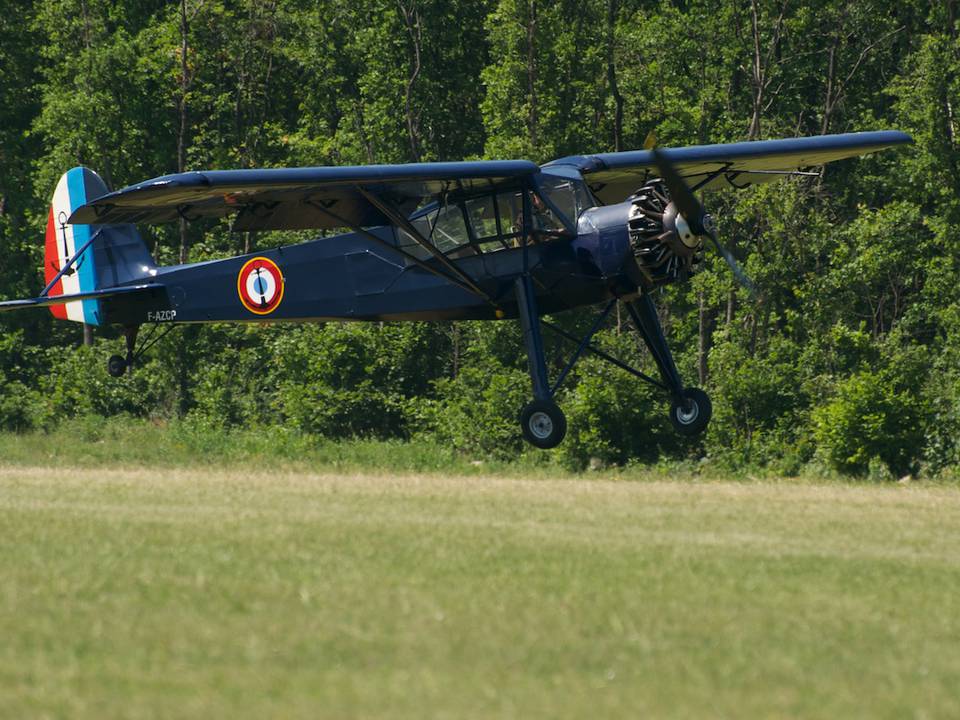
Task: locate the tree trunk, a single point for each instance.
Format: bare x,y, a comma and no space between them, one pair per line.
829,101
704,338
411,21
532,117
455,342
758,75
761,63
612,76
182,112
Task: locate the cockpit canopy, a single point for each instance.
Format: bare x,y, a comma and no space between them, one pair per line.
481,222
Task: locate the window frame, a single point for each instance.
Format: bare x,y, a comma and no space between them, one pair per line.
504,237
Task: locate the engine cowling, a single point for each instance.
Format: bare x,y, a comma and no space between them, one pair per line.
665,247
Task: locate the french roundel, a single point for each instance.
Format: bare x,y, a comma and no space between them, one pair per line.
260,285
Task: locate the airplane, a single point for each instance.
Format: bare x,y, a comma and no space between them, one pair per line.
478,240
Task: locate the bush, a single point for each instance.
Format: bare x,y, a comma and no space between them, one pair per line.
613,418
479,411
759,405
76,384
352,379
869,420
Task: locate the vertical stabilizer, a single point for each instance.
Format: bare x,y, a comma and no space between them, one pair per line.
115,256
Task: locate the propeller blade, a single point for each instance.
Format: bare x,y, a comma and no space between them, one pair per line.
696,216
680,193
738,272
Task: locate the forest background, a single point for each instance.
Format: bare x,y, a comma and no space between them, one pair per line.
846,360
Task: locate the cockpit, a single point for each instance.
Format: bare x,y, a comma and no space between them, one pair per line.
488,222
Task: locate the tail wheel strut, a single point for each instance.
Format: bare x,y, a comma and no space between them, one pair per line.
118,365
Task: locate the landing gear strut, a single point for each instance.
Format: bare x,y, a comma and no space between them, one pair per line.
543,423
691,409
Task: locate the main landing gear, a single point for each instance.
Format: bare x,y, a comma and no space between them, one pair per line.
691,413
117,365
543,422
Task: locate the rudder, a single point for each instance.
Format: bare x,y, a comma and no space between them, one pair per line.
117,254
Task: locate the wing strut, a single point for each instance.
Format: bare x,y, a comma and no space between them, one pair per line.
69,264
393,248
400,221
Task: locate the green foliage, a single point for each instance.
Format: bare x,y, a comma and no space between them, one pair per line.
479,410
759,402
613,419
344,379
869,420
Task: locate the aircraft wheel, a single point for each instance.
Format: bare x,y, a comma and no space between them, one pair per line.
691,415
116,366
543,423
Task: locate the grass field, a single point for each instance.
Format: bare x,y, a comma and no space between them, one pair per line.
254,593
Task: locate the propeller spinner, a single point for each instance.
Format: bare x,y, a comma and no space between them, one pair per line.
692,221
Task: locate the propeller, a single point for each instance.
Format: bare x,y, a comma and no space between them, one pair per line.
697,218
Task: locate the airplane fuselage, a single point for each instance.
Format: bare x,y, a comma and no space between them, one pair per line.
353,277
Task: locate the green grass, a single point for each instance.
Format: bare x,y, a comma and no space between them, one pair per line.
253,593
108,442
90,442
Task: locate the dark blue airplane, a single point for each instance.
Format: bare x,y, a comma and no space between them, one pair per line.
484,240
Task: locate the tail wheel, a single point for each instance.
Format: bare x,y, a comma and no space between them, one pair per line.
116,366
691,414
543,424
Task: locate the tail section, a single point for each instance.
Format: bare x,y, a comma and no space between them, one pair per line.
116,256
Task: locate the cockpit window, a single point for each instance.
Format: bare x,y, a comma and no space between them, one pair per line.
483,217
449,228
545,218
491,222
510,207
444,228
511,214
570,196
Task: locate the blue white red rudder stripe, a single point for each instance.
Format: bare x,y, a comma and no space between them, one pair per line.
117,255
75,188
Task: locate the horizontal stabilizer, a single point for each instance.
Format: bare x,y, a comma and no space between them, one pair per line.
48,300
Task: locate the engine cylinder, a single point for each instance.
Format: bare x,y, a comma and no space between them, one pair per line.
665,247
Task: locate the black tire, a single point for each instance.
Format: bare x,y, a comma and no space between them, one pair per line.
543,424
691,416
116,366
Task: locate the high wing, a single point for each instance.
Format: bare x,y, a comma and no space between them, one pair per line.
614,176
373,195
298,198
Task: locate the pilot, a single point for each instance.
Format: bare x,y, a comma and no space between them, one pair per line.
543,219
